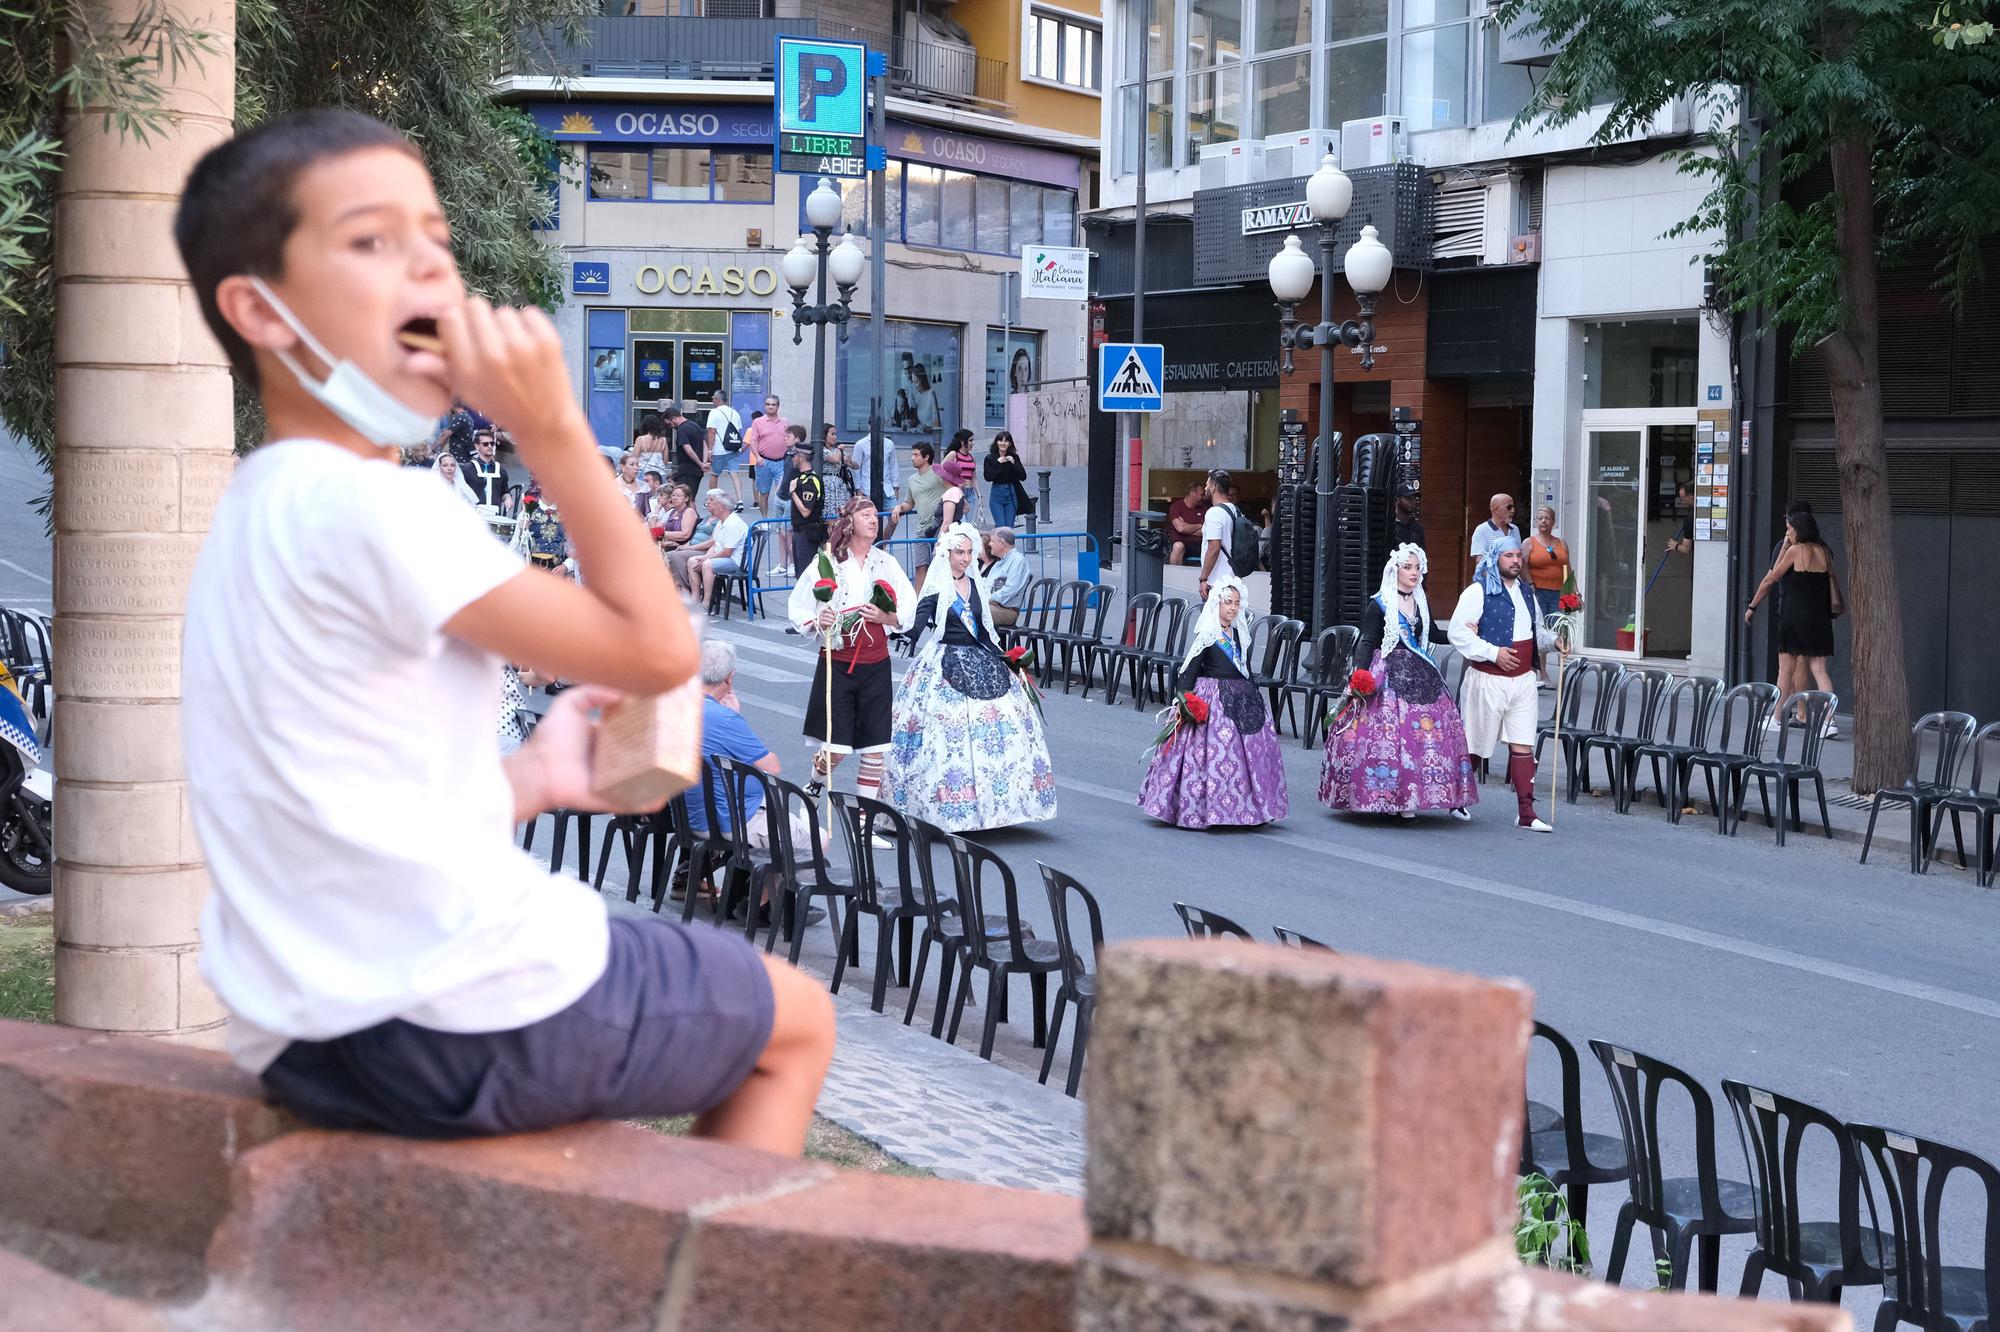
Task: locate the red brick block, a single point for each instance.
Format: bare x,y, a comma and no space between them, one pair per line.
885,1254
1323,1117
1557,1303
123,1143
34,1299
572,1230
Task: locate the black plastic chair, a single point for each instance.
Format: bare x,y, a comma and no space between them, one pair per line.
1553,1143
1919,1288
1035,606
1676,1211
1634,721
562,820
1332,662
1081,636
895,907
680,854
1276,669
727,589
1792,773
1818,1259
1983,805
1135,634
943,925
1079,980
1017,952
1590,687
717,852
1293,939
1202,924
802,870
1681,733
1921,791
1740,714
1163,661
743,866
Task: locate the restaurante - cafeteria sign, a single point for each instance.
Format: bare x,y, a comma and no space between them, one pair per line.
1276,217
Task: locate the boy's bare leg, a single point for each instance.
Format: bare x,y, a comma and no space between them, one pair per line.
772,1107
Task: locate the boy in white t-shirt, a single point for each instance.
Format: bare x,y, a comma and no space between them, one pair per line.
389,958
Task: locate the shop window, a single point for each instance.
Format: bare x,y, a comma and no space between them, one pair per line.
1025,217
921,186
1058,217
679,175
955,213
924,388
1013,365
1640,363
991,214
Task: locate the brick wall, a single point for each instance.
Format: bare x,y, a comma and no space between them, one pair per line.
1278,1139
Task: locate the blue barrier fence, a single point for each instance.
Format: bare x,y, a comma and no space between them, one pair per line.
1059,555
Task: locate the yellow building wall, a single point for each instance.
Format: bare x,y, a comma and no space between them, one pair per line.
997,27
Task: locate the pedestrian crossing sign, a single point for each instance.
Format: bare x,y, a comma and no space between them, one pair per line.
1130,376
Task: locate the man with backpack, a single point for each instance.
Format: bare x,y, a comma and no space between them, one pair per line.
1225,531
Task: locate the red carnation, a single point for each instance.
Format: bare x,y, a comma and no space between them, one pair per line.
1016,653
1570,601
824,589
1196,708
883,597
1362,681
657,531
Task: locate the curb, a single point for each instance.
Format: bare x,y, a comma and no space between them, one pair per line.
33,906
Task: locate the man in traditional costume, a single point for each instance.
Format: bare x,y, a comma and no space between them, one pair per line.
1495,628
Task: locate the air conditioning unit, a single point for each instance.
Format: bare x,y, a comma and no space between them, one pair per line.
1226,164
1479,219
1379,141
1287,156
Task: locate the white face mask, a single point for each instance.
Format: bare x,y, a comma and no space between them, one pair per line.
347,391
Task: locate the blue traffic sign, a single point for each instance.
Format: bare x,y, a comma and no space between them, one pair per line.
822,107
1131,376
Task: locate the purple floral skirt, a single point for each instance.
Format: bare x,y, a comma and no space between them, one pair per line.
1405,752
1225,772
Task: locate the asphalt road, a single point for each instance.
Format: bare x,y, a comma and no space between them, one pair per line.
1862,989
25,551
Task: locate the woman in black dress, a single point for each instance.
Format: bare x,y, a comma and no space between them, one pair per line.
1812,598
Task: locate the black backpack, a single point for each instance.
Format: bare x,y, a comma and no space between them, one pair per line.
1243,543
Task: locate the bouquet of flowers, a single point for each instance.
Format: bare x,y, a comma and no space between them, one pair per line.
882,597
1022,662
1185,710
1361,687
1563,623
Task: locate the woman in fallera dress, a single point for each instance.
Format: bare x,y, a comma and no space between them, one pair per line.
1224,770
1401,750
968,750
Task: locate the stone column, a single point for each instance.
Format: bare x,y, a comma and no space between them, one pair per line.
144,446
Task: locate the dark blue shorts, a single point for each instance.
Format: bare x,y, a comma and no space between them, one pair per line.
674,1026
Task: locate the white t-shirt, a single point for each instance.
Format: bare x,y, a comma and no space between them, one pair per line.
342,771
731,534
861,451
1215,525
720,418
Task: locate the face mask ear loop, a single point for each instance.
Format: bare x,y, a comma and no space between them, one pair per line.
313,344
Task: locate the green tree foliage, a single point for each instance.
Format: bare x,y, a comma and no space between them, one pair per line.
1857,87
425,66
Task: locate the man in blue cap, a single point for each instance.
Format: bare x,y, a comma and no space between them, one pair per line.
1495,628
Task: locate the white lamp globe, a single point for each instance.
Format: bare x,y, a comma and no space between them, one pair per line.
847,262
1368,264
800,265
1329,191
823,205
1291,272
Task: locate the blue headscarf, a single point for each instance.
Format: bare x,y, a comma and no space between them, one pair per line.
1487,575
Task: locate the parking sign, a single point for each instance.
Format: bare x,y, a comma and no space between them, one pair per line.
822,107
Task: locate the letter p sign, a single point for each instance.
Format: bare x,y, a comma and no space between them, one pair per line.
820,75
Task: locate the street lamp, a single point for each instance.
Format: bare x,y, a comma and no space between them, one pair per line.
813,258
1368,265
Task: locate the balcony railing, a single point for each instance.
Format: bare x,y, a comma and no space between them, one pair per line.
743,48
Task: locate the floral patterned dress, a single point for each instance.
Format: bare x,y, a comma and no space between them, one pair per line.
1405,750
968,751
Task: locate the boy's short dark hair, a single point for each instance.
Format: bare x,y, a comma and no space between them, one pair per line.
930,454
797,432
236,212
1219,479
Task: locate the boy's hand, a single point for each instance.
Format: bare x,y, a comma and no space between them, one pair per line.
508,364
552,770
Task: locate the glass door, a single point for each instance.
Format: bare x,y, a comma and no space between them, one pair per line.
1614,523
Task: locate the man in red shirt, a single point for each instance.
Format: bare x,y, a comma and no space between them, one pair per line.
768,445
1184,517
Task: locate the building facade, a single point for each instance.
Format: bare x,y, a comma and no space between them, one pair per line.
672,220
1543,328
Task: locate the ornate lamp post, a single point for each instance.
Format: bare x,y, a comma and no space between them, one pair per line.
815,257
1368,265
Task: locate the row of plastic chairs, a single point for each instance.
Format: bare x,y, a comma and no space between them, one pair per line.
1686,1217
974,922
1201,923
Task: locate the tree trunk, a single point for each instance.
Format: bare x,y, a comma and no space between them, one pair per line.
1853,362
130,511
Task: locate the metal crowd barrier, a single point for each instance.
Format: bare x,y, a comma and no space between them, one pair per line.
1059,555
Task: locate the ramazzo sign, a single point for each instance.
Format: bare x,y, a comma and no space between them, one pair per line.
1276,217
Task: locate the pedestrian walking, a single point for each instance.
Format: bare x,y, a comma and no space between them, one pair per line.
1006,479
1497,531
1396,745
1495,628
725,443
769,442
959,468
1812,600
1216,762
969,752
1548,570
851,710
